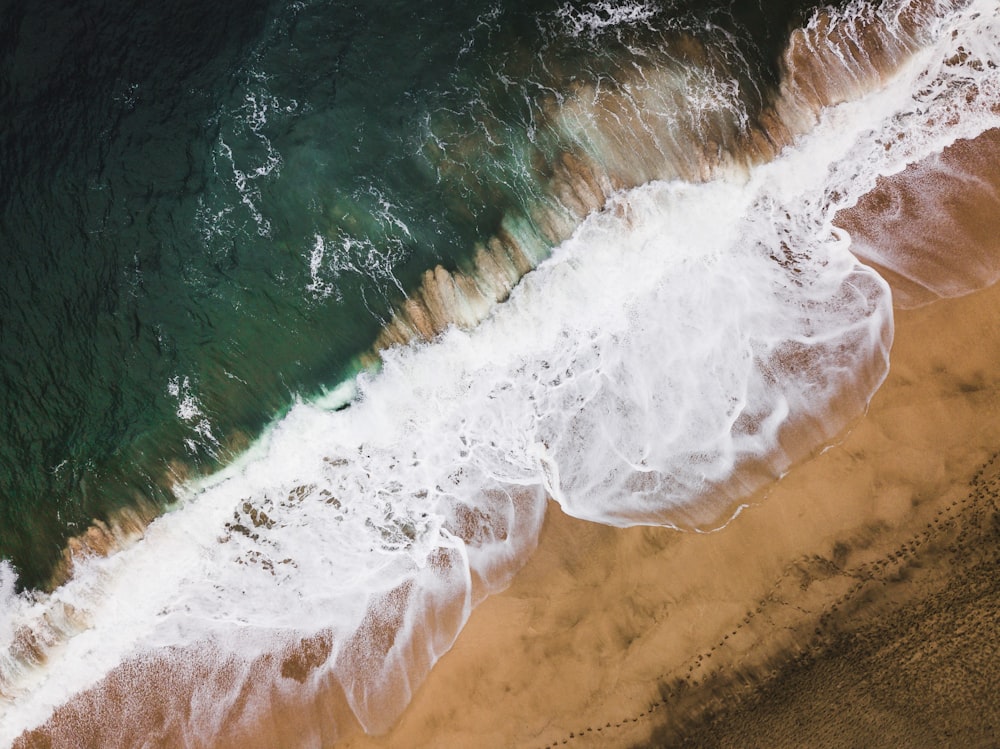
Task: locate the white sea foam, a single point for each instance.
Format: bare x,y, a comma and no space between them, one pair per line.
318,287
948,92
190,411
250,170
597,17
686,345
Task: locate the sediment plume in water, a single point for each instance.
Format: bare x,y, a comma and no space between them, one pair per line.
618,137
687,344
677,116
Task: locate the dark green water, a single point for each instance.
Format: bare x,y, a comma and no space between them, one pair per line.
169,170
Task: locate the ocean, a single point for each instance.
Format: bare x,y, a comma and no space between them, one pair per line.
310,307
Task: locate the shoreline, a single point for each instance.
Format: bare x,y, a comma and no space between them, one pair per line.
653,634
626,637
615,639
644,636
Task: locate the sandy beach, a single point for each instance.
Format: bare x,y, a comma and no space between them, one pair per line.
855,602
634,638
852,603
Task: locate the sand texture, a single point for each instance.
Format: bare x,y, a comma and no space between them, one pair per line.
856,605
913,660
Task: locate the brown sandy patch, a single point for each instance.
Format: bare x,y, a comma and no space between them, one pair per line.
911,658
934,229
198,697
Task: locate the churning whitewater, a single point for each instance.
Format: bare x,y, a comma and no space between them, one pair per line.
686,345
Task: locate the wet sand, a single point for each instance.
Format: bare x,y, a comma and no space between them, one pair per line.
934,230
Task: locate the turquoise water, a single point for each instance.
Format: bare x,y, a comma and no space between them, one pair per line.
208,212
